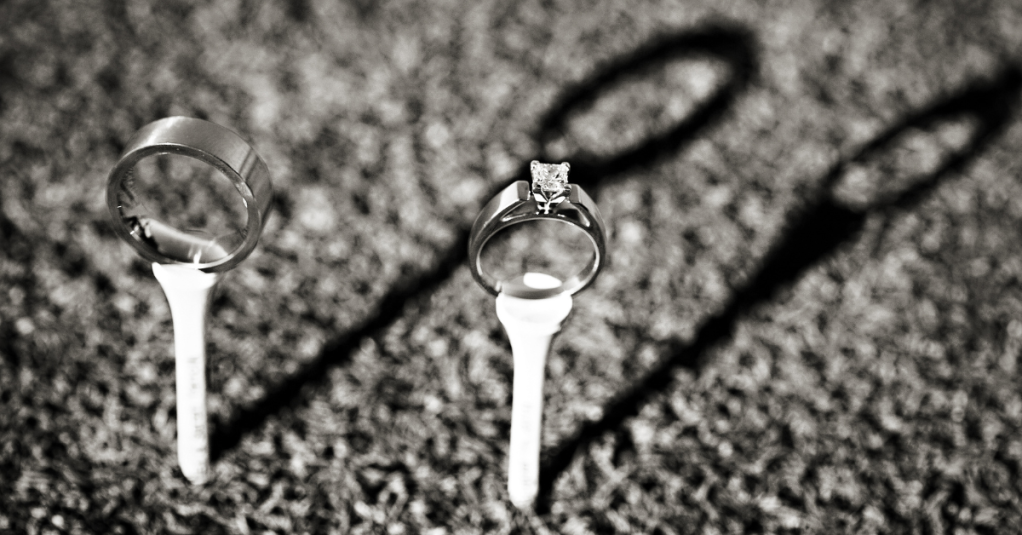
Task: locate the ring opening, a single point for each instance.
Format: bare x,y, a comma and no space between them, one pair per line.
183,208
546,246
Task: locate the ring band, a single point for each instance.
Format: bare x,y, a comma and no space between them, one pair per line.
549,198
213,145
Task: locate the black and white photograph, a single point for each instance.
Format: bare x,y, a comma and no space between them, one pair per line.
529,267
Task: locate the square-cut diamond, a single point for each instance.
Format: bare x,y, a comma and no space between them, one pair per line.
549,178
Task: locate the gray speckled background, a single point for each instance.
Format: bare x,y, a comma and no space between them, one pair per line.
783,340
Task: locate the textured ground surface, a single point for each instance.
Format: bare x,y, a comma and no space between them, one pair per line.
811,321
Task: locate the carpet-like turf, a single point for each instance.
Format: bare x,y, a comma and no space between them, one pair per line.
811,320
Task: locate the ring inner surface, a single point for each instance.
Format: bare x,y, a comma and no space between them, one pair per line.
547,246
183,208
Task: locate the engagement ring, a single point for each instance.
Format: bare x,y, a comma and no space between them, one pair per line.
549,197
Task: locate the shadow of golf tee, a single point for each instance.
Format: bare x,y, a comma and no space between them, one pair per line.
814,234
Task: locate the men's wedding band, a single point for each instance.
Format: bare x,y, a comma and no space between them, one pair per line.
213,145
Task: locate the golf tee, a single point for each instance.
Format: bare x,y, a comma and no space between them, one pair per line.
530,325
189,291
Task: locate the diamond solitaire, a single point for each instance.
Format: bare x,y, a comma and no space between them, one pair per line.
549,181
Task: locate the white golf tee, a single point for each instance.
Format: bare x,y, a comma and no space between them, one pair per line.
189,291
530,325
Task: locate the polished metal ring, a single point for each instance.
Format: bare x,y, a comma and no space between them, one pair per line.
213,145
549,197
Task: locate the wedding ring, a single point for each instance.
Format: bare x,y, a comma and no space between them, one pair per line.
212,145
549,197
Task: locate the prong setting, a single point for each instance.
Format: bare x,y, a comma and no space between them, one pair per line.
549,183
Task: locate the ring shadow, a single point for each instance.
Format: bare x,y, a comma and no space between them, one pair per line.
734,46
811,237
